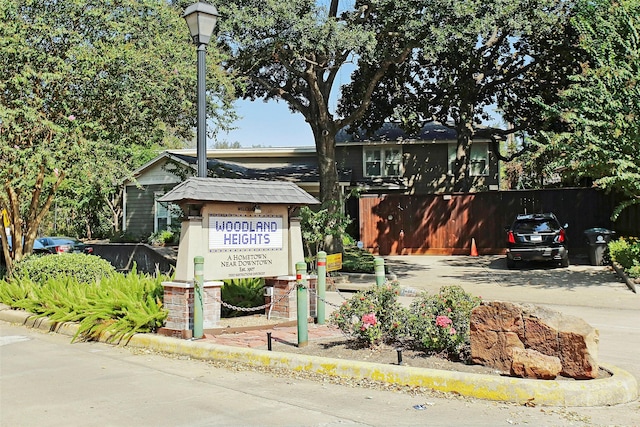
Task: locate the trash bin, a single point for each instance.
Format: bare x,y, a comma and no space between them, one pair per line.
598,239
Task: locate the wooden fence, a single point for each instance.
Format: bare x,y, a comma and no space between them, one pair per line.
445,224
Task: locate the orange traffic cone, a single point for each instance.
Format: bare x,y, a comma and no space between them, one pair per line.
474,249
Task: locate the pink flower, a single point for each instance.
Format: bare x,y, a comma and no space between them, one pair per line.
452,331
72,117
56,172
443,321
369,319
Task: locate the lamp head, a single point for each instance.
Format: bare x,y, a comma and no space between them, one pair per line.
201,19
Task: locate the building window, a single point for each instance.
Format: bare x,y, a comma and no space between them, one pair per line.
478,159
382,161
166,215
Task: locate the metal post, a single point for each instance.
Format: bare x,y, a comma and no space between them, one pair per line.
198,304
302,299
321,286
202,113
378,264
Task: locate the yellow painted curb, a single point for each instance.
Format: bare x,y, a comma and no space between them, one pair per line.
620,388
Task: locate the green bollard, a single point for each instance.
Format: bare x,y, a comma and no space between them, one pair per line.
378,264
301,299
198,303
321,287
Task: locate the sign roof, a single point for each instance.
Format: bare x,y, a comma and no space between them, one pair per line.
239,191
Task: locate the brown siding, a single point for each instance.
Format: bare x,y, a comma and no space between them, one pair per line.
425,168
429,224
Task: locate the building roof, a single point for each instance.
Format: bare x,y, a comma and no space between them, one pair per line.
232,190
300,172
391,132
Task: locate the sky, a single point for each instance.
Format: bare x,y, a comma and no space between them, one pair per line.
272,124
269,125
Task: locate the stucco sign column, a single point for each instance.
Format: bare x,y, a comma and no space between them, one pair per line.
242,229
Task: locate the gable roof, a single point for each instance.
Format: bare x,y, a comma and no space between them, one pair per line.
232,190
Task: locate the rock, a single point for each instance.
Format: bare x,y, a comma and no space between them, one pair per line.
491,348
528,363
497,328
570,338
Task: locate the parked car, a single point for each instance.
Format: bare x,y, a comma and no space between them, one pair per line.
58,245
37,246
537,237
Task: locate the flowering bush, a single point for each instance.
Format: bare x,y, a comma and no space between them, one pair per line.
372,316
440,323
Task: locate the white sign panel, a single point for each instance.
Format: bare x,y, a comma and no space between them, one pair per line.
233,232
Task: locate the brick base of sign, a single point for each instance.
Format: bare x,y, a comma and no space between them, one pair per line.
178,300
284,295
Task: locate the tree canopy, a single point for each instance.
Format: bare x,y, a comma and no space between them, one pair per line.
481,62
601,108
445,59
294,50
87,85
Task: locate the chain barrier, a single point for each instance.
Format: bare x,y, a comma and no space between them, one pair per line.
248,309
314,293
264,306
331,281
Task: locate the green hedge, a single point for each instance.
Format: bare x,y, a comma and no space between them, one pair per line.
84,268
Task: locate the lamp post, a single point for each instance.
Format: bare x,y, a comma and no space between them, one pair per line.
201,18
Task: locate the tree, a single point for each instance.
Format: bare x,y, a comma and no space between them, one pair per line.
86,85
479,56
293,51
602,106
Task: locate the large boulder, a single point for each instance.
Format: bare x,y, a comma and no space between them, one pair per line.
497,328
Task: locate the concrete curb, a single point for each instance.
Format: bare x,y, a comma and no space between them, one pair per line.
620,272
620,388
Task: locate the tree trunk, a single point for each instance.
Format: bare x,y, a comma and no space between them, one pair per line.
327,168
464,131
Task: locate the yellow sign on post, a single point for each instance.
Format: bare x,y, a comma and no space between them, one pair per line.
334,262
5,218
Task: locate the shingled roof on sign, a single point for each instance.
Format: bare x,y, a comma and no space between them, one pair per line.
239,191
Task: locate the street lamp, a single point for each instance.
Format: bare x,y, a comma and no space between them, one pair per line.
201,18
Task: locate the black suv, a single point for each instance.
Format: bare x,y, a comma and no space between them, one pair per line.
537,237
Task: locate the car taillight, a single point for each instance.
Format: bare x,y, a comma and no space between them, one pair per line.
561,237
88,250
510,237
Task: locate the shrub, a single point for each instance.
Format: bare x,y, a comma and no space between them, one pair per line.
245,293
626,252
84,268
355,260
372,316
164,237
118,305
316,226
440,323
